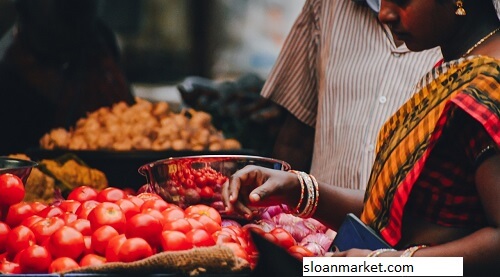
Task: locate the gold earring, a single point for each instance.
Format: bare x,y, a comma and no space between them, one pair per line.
460,9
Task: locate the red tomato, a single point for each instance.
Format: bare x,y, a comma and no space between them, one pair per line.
38,206
144,226
156,214
237,249
50,211
195,224
207,192
172,213
113,248
70,206
155,204
101,238
128,207
181,225
7,267
31,220
134,249
4,232
62,264
283,237
18,212
148,195
174,240
82,194
111,194
88,245
19,238
107,213
300,252
92,259
35,259
208,223
44,228
136,200
68,217
85,208
204,209
82,225
66,242
12,189
200,237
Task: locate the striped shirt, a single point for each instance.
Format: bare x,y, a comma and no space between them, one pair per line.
341,72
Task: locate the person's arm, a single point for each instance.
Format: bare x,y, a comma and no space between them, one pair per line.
255,186
294,143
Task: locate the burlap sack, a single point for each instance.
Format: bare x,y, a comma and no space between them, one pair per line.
214,259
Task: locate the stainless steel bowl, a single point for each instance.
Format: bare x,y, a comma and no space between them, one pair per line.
184,180
18,167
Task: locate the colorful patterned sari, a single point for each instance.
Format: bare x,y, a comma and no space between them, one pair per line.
407,138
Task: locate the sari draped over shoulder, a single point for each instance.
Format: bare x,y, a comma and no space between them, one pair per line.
407,138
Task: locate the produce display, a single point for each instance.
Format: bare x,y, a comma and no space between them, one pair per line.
92,227
142,126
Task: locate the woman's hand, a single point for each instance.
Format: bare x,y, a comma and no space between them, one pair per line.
255,186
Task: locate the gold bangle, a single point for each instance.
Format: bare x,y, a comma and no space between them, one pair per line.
310,196
302,191
376,253
409,252
316,190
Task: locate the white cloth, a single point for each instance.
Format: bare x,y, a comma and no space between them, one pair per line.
340,72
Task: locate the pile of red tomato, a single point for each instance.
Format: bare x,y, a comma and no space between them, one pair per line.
95,227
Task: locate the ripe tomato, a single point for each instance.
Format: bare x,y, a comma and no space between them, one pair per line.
12,189
70,206
237,249
82,225
208,223
128,207
38,206
44,228
172,213
7,267
66,242
180,224
18,212
101,238
200,237
300,252
107,213
207,192
4,232
85,208
31,220
144,226
113,248
92,259
174,240
111,194
134,249
155,204
136,200
283,237
35,259
19,238
62,264
50,211
88,245
68,217
203,209
82,194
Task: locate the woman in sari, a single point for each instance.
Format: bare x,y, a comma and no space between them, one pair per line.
435,184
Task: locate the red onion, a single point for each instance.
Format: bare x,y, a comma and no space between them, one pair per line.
298,231
317,226
267,224
229,222
284,219
315,248
321,239
271,211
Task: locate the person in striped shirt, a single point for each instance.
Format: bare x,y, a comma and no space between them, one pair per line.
340,75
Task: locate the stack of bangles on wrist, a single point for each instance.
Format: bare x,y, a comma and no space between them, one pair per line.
309,195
